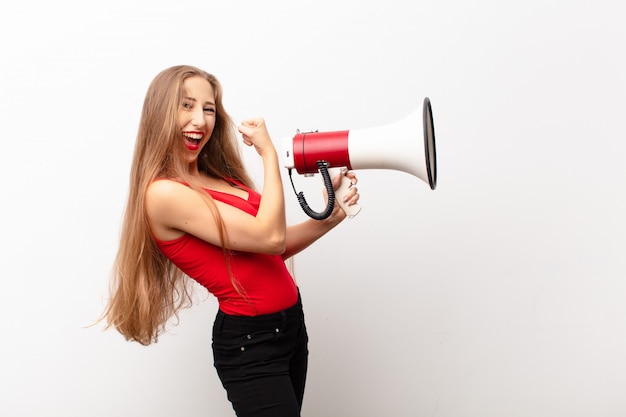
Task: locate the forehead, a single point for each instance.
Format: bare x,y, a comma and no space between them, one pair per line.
198,88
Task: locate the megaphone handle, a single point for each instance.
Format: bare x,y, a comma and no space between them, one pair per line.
343,189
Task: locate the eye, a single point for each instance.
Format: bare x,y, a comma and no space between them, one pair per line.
187,105
209,110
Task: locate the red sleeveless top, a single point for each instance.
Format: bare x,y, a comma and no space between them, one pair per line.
267,284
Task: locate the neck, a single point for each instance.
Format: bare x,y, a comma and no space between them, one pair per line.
193,169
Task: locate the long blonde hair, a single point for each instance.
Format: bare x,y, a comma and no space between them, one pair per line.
147,289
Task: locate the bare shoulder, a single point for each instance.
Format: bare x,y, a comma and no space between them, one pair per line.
163,206
164,187
162,195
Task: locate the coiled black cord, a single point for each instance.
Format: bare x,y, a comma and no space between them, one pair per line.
322,166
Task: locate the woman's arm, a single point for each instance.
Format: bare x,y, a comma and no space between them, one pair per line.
302,235
174,209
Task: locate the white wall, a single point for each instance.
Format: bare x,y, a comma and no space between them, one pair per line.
501,293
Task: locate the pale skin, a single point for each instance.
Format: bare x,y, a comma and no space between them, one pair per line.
175,209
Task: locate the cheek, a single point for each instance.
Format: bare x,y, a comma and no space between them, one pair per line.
210,125
182,122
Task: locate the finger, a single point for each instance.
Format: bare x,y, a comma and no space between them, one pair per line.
246,130
350,194
255,122
337,181
354,199
352,176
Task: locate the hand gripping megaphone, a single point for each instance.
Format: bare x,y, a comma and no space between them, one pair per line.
395,146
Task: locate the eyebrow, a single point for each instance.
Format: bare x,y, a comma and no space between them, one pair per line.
194,100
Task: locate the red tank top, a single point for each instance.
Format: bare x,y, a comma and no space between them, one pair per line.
267,284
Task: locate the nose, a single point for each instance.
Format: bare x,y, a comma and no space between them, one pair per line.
197,117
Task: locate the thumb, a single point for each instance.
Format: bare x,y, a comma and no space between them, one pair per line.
337,180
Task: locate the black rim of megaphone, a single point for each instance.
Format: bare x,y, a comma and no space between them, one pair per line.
429,144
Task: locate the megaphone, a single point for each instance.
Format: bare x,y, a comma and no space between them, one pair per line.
395,146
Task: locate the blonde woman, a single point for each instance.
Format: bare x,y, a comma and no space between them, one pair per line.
193,212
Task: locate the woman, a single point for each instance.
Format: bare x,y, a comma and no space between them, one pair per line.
192,212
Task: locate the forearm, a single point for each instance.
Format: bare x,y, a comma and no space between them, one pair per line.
270,216
272,206
303,235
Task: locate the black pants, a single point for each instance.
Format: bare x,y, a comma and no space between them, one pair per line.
262,361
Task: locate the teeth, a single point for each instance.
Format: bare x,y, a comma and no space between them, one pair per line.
194,136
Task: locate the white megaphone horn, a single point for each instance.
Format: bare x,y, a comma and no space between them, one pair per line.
396,146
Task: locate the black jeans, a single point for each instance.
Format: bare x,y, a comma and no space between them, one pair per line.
262,361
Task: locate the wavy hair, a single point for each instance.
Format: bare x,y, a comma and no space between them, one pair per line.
147,289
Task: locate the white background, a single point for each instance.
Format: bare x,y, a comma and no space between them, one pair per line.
501,293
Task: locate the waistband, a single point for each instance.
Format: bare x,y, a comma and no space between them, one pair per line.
229,321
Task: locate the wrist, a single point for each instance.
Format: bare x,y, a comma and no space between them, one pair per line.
336,217
269,154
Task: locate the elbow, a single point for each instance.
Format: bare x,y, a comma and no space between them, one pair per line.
274,241
268,240
276,245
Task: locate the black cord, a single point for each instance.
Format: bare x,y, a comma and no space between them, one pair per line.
322,166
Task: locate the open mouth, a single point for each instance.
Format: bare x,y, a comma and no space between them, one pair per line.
192,140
